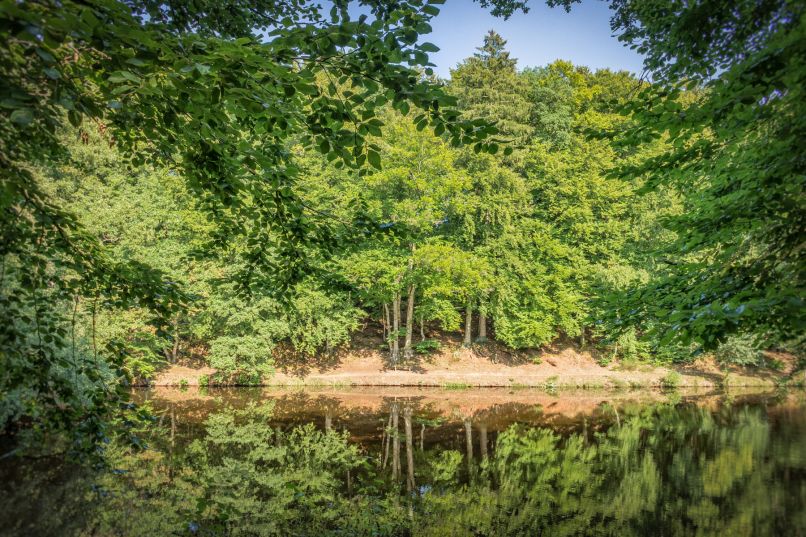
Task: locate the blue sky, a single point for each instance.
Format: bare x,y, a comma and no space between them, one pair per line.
543,35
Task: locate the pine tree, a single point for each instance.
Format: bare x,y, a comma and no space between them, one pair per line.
488,87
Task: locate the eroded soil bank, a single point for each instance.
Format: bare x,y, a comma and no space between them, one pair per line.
488,366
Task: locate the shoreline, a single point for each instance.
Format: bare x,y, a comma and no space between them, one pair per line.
558,369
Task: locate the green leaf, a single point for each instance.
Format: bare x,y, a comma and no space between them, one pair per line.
374,159
22,116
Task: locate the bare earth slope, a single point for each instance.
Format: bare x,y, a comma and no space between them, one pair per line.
486,365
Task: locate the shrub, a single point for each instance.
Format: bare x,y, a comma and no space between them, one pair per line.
671,380
631,349
427,346
674,354
604,359
628,348
739,350
248,378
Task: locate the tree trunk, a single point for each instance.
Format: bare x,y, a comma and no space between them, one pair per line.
422,435
422,329
482,328
483,440
385,322
468,325
173,444
395,344
409,451
407,350
395,443
328,421
387,441
175,349
469,441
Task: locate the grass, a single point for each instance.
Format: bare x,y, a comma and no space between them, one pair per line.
593,385
455,386
551,382
617,383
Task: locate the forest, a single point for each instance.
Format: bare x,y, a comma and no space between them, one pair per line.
231,181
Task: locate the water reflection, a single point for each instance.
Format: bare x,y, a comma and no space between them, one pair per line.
437,463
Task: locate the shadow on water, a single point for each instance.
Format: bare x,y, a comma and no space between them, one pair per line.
432,462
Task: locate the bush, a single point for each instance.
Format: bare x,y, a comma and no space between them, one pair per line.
605,359
628,348
671,381
631,349
674,354
739,350
427,346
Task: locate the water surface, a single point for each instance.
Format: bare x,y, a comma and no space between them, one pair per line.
432,462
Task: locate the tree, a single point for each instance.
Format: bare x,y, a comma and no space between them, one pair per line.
728,97
193,88
488,87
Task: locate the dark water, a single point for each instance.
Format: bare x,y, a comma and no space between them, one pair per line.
432,462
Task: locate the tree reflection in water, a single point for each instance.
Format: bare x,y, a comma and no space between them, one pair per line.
262,468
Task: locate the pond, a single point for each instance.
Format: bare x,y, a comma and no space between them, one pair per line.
430,462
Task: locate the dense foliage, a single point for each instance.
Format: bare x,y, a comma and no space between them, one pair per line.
728,100
193,89
233,181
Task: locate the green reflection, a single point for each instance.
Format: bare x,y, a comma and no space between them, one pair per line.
659,469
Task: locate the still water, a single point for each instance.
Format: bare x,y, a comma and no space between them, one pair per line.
432,463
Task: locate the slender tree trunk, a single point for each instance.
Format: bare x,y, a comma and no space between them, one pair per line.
395,443
175,349
422,435
407,350
328,421
173,443
387,441
468,324
469,442
409,450
483,439
422,329
482,328
585,430
385,321
94,343
395,346
388,321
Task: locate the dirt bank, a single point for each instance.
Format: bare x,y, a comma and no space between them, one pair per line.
489,366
